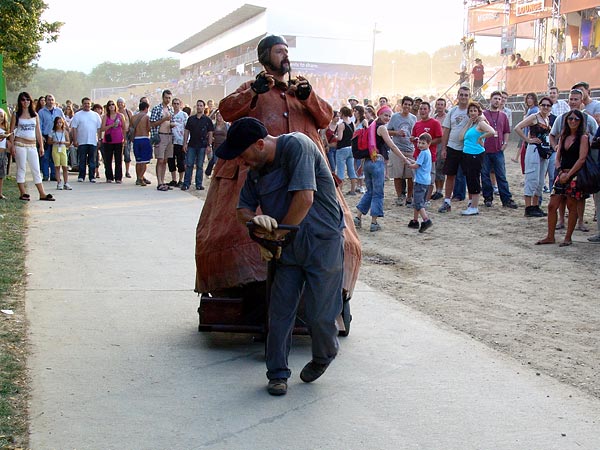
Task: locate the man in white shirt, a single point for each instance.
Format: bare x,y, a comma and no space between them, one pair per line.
85,125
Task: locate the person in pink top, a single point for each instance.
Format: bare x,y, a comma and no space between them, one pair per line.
113,125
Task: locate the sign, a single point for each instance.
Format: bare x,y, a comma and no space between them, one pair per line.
508,41
486,17
525,7
529,10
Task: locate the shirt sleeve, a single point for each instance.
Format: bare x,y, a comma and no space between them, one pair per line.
299,161
248,196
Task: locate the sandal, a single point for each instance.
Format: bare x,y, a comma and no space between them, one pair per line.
565,243
583,228
48,198
24,197
2,197
560,226
162,187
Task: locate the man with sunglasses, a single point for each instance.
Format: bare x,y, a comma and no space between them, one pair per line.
575,102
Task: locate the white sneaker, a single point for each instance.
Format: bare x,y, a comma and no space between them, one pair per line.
470,211
67,187
59,185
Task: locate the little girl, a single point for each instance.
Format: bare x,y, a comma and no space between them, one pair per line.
59,139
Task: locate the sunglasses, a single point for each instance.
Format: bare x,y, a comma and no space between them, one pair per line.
545,105
573,119
25,100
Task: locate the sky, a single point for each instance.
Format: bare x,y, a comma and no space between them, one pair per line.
129,30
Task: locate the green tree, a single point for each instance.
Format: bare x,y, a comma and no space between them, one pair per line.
22,31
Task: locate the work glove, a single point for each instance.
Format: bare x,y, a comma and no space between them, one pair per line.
261,84
265,222
303,88
266,255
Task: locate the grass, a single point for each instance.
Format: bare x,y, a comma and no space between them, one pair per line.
13,343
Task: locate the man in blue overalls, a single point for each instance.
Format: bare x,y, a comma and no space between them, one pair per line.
291,183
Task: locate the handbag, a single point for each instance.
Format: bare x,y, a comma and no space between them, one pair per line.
544,150
131,131
155,140
107,138
588,177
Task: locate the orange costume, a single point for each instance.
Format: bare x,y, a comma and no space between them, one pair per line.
225,255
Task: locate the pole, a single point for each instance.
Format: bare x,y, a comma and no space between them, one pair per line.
3,102
373,59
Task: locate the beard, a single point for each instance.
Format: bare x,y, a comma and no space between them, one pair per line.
283,68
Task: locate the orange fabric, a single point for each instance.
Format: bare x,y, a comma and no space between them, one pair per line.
572,72
225,255
522,80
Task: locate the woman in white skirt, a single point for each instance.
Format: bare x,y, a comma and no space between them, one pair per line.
26,133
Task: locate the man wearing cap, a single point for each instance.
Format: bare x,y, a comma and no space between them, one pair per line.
352,101
478,73
290,181
225,256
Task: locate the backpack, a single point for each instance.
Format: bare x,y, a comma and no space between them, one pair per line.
360,144
131,131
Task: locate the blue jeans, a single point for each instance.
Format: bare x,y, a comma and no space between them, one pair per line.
86,153
46,164
343,158
127,147
551,171
331,158
460,185
374,181
494,162
194,157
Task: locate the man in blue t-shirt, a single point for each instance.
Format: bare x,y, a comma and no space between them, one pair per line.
291,183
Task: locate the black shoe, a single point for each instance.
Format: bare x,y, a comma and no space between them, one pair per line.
45,179
542,212
127,175
413,224
172,183
488,203
424,225
277,386
312,371
199,188
184,188
437,196
533,211
510,204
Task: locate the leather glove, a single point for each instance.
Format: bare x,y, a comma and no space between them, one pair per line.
265,222
261,84
303,89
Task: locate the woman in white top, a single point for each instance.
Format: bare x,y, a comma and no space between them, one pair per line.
25,126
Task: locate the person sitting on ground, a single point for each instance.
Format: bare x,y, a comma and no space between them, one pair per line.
573,147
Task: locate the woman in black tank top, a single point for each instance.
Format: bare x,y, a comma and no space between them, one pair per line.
343,153
573,147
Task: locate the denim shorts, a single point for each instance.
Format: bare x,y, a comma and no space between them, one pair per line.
419,194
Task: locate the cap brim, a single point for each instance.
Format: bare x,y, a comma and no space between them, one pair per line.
228,152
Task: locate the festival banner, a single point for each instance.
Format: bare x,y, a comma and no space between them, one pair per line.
528,10
487,17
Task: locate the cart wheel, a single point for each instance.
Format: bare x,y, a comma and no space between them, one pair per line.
346,317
